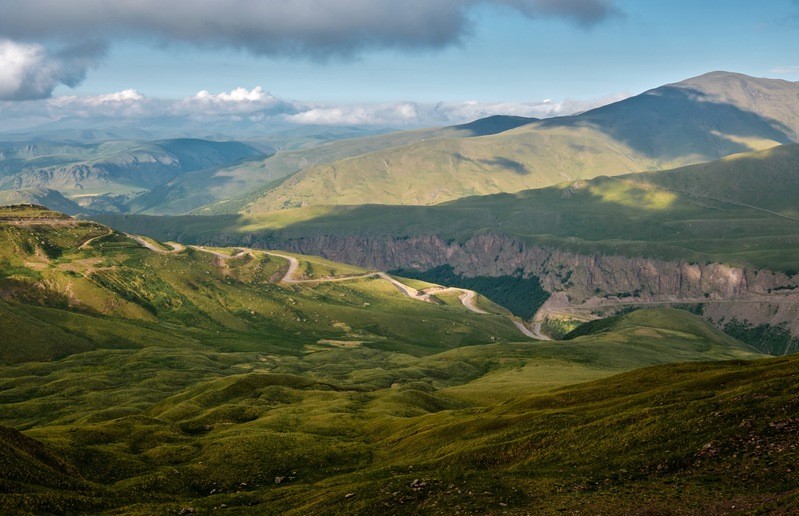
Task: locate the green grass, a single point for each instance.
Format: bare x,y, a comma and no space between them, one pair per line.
159,428
695,121
182,381
696,214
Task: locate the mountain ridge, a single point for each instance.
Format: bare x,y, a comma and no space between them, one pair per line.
692,121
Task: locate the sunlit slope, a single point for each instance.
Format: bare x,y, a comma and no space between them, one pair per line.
739,210
477,428
236,298
697,120
229,189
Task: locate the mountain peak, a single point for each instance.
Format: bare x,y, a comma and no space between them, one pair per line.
722,80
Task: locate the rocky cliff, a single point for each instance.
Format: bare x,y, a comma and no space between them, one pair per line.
581,285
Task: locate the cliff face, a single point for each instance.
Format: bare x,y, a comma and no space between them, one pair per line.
581,285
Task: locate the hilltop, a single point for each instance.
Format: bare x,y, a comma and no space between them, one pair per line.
693,121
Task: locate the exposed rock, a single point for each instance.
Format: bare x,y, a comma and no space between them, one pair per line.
580,284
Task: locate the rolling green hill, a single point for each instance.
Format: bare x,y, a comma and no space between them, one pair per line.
140,376
235,298
697,120
739,210
233,188
171,426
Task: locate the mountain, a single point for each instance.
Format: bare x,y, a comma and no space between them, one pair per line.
721,237
738,210
141,376
41,196
693,121
118,167
230,189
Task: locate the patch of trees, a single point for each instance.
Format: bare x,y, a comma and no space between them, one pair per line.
522,295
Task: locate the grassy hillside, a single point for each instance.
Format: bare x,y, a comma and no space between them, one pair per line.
55,262
740,210
697,120
181,425
140,376
234,188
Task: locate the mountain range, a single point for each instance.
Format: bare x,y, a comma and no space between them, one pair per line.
590,314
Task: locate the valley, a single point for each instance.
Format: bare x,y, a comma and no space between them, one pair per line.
592,313
208,404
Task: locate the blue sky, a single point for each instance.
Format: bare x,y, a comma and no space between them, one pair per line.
371,62
507,58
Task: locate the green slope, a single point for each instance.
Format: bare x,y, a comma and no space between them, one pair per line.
162,428
229,189
170,379
693,121
233,297
739,210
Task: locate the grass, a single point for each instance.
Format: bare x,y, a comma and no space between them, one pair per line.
228,389
237,298
696,214
676,125
160,428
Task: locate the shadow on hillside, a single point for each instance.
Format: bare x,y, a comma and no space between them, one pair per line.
494,125
673,122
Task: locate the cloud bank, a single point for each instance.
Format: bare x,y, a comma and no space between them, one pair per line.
306,28
261,110
314,29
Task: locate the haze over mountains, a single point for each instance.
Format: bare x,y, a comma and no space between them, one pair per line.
693,121
571,314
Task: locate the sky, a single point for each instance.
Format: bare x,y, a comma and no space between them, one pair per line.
415,62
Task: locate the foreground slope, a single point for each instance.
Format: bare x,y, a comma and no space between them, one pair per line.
242,297
168,428
693,121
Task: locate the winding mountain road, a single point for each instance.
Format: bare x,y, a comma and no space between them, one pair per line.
467,297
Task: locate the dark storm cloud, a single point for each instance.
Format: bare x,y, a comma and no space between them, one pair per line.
310,28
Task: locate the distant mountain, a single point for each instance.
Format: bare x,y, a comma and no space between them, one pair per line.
42,197
117,167
229,189
694,121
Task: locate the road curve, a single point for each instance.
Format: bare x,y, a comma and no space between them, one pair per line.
467,297
176,248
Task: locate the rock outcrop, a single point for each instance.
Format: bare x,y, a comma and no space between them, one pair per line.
581,285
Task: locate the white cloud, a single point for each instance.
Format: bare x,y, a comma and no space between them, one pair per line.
30,71
409,114
260,108
785,70
127,103
239,101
